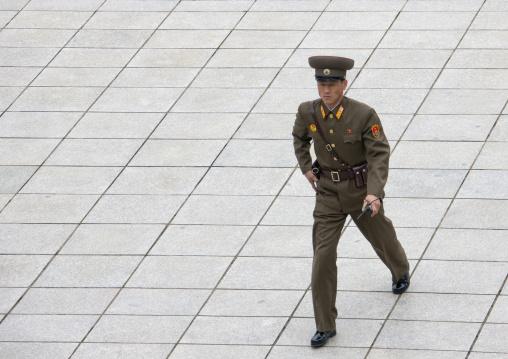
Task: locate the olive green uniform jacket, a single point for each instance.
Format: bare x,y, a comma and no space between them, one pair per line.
355,138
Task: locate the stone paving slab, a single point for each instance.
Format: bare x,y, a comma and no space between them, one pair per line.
178,153
49,20
428,335
135,209
234,330
86,77
138,329
88,271
450,128
71,180
60,301
41,208
45,328
216,351
115,125
154,301
34,238
123,351
150,201
90,57
202,240
112,239
417,354
38,124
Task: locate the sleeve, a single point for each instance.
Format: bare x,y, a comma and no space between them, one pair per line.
377,154
301,142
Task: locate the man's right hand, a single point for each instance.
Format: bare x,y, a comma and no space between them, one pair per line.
312,179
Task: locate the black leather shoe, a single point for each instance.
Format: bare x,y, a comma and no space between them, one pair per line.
402,285
320,338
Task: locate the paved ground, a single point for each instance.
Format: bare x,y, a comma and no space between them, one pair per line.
150,202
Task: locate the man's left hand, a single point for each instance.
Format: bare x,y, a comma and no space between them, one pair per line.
375,203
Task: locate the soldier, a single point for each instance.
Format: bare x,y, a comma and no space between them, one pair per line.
352,154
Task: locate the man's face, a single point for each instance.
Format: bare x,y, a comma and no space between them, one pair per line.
331,92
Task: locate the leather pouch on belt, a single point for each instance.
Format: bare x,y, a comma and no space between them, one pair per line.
361,174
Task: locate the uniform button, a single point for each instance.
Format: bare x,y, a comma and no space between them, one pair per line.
331,116
335,158
331,131
333,145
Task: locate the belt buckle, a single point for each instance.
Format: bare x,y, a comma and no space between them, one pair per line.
336,173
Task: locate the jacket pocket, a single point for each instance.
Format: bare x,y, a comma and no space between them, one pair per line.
352,138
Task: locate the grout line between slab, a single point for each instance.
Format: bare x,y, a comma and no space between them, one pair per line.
132,157
487,317
350,220
458,190
261,219
18,11
297,168
39,166
238,255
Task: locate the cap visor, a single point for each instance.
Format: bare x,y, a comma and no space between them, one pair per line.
328,79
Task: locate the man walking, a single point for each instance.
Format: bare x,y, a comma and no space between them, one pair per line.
353,155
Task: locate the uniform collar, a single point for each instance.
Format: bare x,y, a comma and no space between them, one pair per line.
335,110
332,110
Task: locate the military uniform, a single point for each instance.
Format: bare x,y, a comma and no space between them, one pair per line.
355,132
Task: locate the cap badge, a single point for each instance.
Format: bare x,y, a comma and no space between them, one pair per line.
326,72
313,128
375,131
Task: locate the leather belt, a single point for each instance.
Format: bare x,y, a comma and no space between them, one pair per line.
337,176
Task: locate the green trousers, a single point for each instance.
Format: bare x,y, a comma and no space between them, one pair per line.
328,224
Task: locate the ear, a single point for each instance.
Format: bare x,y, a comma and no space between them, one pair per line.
344,84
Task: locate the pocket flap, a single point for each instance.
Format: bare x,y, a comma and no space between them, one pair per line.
352,138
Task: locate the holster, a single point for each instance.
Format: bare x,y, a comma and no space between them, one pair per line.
361,174
316,168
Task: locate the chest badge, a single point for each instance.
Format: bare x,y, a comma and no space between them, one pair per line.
375,131
349,131
313,128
